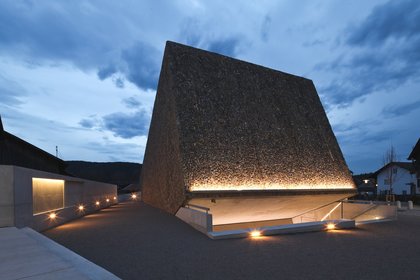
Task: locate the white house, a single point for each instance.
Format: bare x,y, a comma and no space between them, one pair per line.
397,178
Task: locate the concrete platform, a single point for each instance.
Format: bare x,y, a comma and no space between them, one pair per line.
26,254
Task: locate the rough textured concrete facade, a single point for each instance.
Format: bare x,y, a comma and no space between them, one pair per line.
222,125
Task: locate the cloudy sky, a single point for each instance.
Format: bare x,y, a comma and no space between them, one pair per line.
82,75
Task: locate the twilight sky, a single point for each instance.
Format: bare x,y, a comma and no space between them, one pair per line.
83,74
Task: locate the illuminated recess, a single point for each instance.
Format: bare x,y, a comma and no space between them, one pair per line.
47,195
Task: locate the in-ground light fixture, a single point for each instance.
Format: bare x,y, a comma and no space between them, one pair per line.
330,226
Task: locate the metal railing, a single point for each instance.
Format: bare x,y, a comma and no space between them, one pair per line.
360,211
198,207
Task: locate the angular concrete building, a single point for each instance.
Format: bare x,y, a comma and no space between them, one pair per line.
244,142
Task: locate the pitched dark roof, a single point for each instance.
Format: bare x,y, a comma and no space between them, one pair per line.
415,153
15,151
405,165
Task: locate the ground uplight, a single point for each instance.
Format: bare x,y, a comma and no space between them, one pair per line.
330,226
255,233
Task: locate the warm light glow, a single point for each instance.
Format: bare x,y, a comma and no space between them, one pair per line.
376,218
97,203
133,196
81,207
47,195
366,181
52,216
329,213
107,200
330,226
255,233
115,198
268,186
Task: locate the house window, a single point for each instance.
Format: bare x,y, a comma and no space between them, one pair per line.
386,181
394,170
47,195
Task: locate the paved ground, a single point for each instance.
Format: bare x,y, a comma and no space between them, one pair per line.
26,254
135,241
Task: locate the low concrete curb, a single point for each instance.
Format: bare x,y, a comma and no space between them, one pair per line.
284,229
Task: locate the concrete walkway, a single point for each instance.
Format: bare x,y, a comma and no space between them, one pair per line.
136,241
26,254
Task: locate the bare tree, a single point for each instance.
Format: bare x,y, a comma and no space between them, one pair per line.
390,156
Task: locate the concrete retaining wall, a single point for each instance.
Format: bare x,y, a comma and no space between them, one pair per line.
16,204
199,220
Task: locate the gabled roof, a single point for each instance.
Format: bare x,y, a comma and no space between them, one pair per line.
15,151
415,153
405,165
28,145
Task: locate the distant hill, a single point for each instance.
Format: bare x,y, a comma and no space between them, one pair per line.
117,173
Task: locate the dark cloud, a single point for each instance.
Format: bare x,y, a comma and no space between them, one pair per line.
50,32
384,54
395,19
227,46
143,65
88,123
355,126
376,137
132,102
11,93
126,151
119,82
106,72
400,110
192,34
74,32
265,26
127,125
